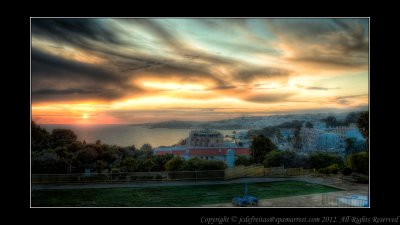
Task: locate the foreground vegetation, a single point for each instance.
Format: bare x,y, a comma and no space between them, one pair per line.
170,196
60,152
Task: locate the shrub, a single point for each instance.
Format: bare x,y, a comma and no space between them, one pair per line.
347,171
273,159
212,165
243,160
323,170
174,164
322,160
334,168
192,164
359,162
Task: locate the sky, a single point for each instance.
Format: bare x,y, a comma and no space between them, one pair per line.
139,70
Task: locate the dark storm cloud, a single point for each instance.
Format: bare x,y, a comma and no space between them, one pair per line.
249,74
75,94
186,72
75,31
356,40
56,78
65,91
267,98
336,42
316,88
347,100
96,36
51,66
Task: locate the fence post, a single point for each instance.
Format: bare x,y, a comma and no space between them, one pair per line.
196,176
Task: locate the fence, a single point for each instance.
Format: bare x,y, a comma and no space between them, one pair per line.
126,177
231,173
244,171
344,201
260,171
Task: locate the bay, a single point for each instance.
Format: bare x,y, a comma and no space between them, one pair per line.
125,135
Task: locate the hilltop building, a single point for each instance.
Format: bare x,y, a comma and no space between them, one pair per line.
206,144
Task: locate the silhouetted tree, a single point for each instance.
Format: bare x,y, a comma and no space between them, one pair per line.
363,125
273,159
62,137
260,146
297,138
331,121
243,160
352,117
40,138
174,164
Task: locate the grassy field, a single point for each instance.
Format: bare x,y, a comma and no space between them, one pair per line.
196,195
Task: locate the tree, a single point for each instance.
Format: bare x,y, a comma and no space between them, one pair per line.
46,161
309,125
260,146
192,164
62,137
359,162
278,135
146,148
363,126
331,121
297,138
40,137
349,148
273,159
160,161
174,164
322,160
130,164
242,160
66,155
352,118
100,165
148,165
87,156
212,165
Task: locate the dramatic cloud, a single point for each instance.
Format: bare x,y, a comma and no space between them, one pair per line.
327,42
267,98
316,88
140,70
80,32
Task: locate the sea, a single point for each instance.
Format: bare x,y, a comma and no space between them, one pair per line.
126,135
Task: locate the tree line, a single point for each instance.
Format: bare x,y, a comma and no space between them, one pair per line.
61,152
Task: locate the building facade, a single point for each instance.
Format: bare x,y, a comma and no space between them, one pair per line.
206,144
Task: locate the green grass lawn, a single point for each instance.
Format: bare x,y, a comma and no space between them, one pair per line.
196,195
